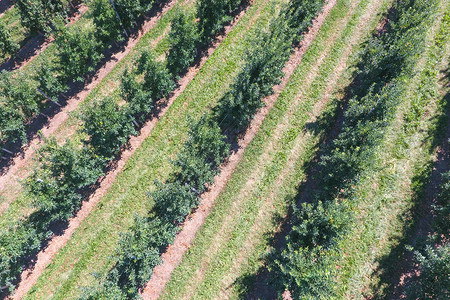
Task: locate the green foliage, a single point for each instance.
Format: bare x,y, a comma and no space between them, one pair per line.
107,290
213,14
78,50
202,154
12,127
19,102
157,80
38,15
183,39
173,201
299,14
306,273
139,252
50,81
434,260
130,10
107,126
7,45
15,243
303,266
433,281
442,210
263,69
386,63
206,147
140,103
61,173
107,26
56,185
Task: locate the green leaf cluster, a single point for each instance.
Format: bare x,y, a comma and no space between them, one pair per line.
39,15
7,44
387,61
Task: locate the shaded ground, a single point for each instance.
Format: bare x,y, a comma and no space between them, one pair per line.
263,285
47,116
32,46
398,269
174,254
5,5
64,231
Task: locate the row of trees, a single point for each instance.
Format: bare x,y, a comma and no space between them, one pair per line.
18,102
36,16
205,149
433,256
306,265
79,50
64,173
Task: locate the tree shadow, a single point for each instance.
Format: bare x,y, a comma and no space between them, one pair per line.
42,120
264,284
418,226
39,223
31,45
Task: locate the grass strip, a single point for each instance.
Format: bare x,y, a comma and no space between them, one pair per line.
281,150
109,86
116,209
400,204
307,264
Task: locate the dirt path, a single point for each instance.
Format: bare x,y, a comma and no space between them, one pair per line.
44,258
258,173
37,44
15,172
268,206
174,253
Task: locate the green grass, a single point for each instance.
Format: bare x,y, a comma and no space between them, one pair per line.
266,180
408,153
89,249
109,85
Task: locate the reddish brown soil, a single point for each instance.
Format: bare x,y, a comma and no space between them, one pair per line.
174,253
44,258
21,161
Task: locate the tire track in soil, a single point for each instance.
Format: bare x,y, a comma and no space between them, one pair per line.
267,208
257,174
22,160
37,44
44,258
174,253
